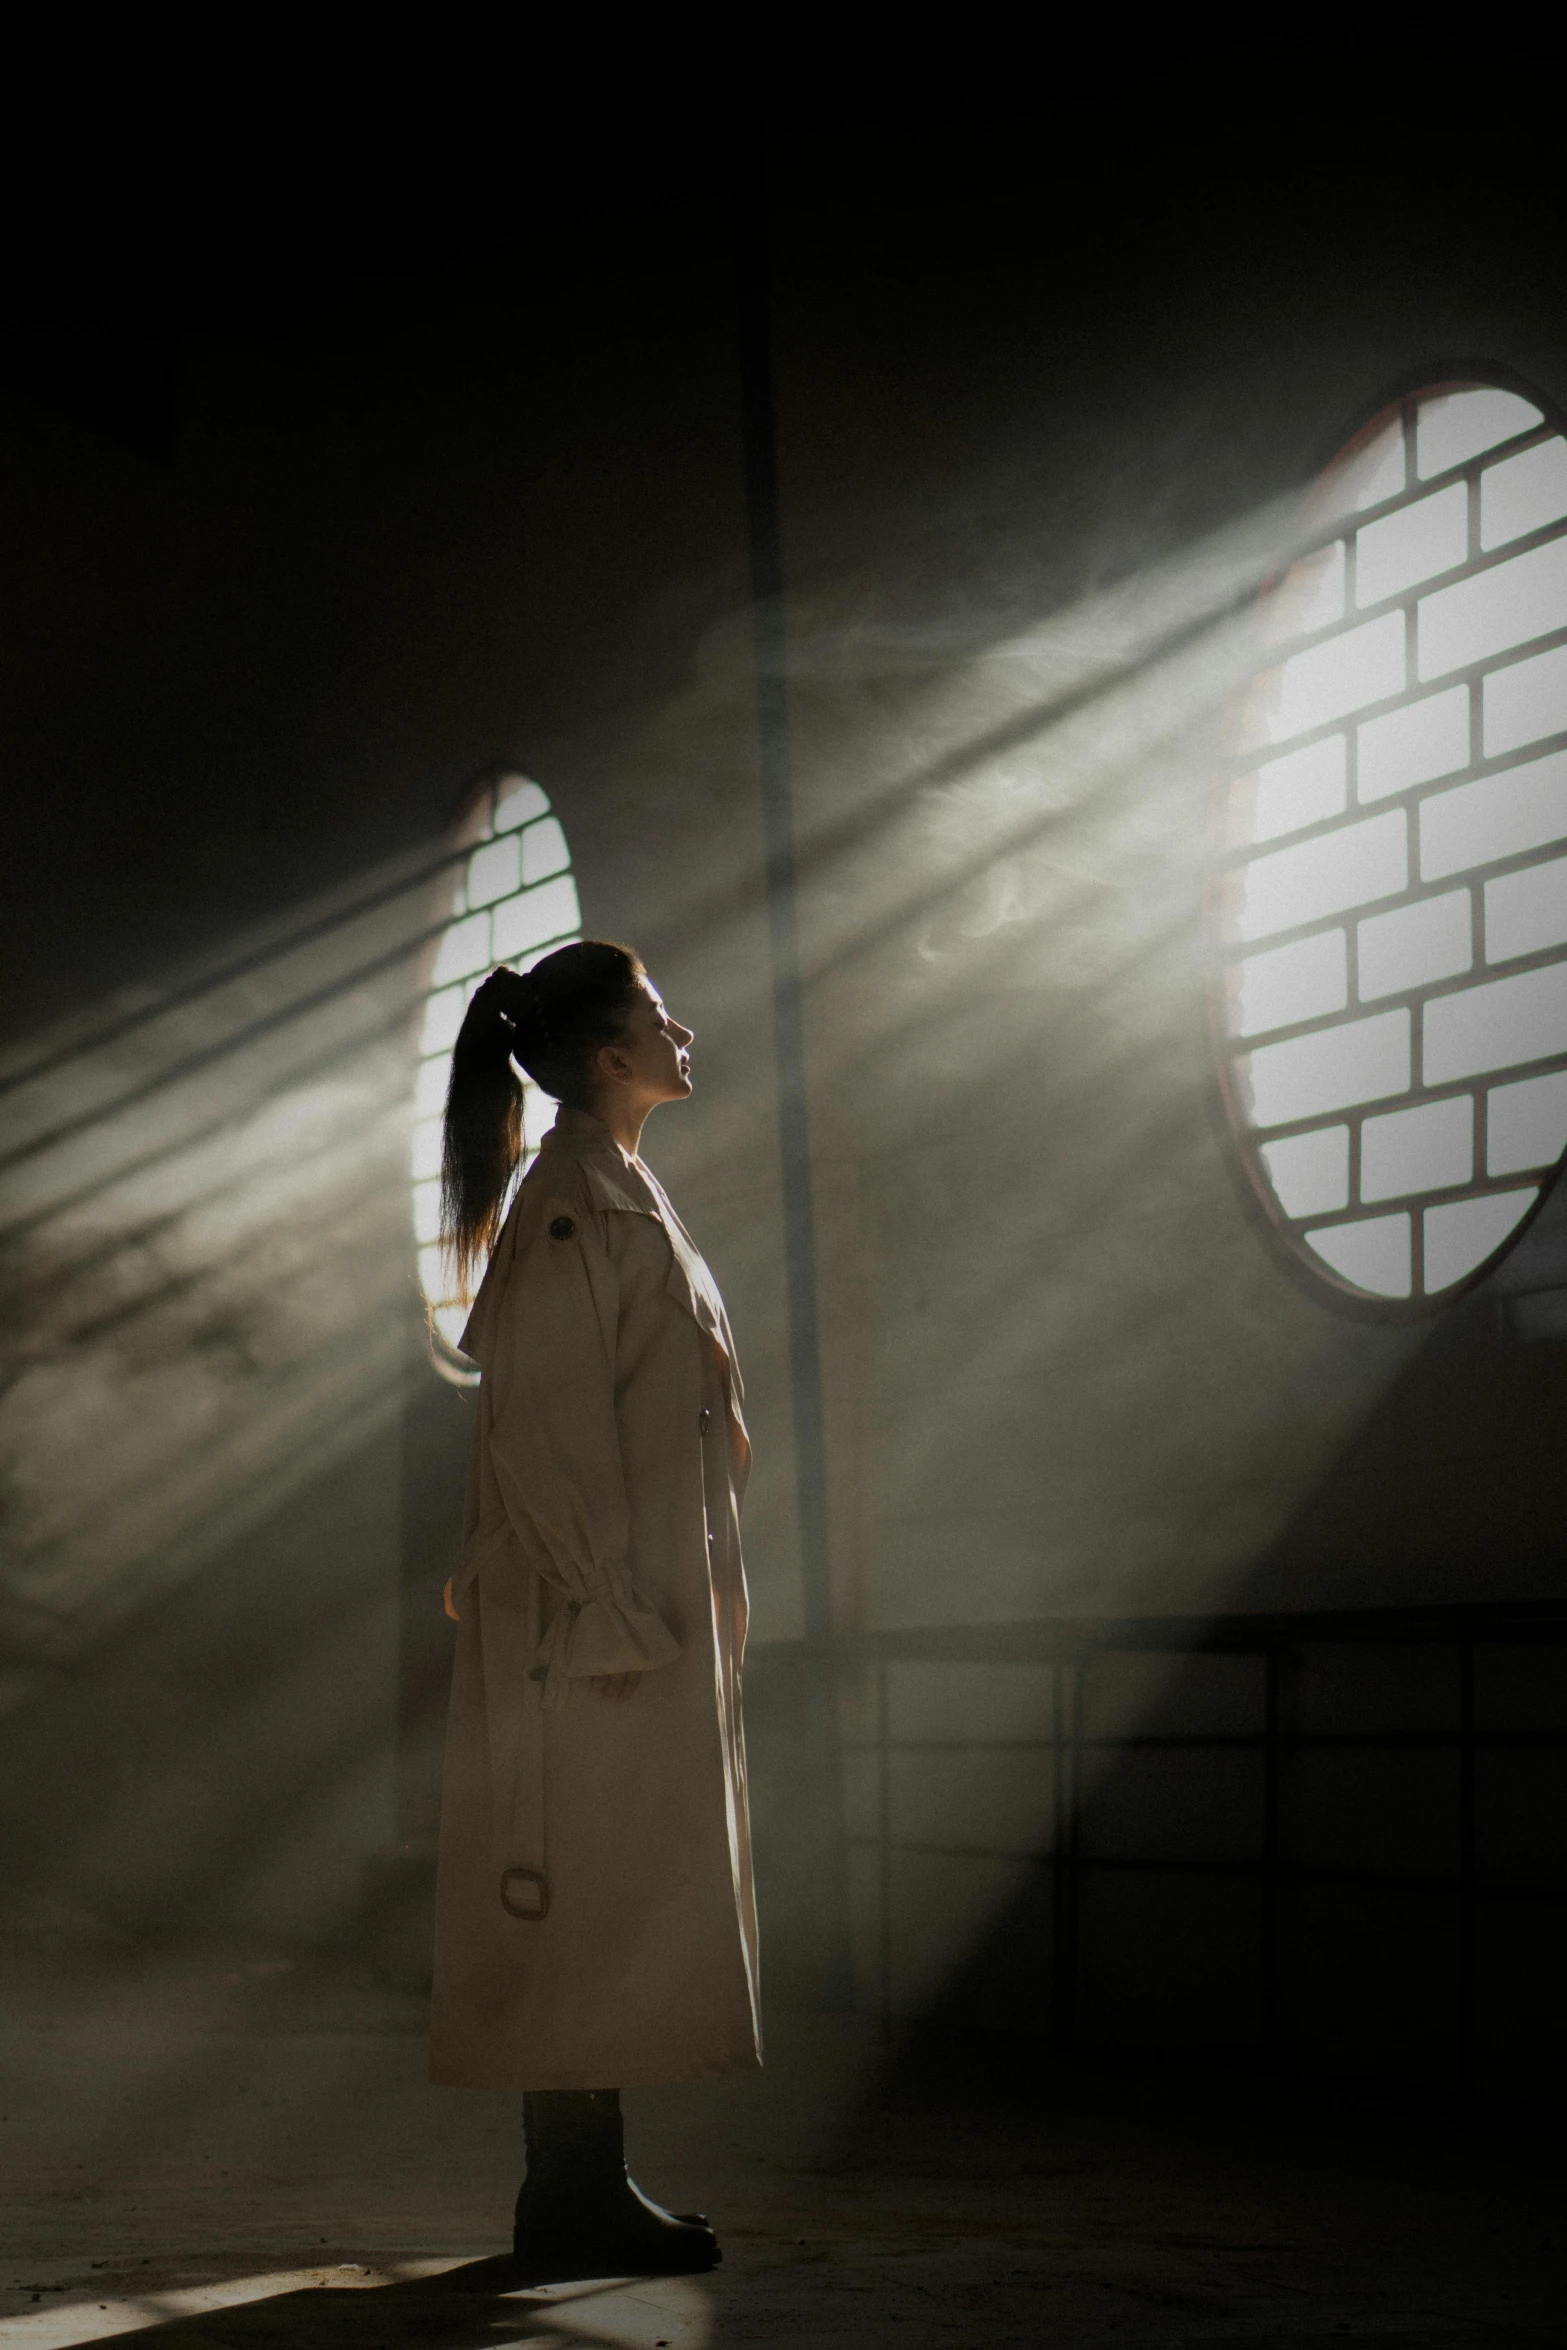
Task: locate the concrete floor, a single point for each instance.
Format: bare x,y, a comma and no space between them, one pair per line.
234,2150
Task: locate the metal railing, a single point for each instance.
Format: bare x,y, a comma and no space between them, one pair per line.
1069,1647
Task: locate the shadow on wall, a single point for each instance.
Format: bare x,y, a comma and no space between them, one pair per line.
1413,1935
1336,1846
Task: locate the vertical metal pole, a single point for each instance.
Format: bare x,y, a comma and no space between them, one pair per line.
772,728
884,1848
1271,1886
1067,1703
1466,1870
758,418
1058,1843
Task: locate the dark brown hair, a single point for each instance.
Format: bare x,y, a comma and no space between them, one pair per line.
550,1021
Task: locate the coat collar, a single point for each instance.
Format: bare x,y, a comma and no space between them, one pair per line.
614,1180
623,1186
574,1137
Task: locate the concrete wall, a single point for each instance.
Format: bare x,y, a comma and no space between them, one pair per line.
1026,470
1038,427
411,529
1087,1387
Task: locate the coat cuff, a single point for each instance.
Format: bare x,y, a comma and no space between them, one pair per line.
603,1635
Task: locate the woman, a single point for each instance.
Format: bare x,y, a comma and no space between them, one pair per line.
595,1919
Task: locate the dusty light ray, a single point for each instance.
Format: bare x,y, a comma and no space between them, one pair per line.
210,1298
179,995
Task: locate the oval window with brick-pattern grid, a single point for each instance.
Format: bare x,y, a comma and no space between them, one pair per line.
513,900
1389,917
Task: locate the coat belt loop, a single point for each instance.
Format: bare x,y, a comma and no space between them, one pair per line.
514,1701
527,1877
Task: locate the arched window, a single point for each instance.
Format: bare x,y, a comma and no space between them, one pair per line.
514,900
1389,921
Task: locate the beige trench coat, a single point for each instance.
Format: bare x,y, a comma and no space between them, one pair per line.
595,1917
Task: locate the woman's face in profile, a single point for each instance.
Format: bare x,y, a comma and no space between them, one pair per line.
653,1056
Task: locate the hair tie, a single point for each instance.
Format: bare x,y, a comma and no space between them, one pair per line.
512,995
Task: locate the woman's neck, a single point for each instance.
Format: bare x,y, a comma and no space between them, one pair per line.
625,1121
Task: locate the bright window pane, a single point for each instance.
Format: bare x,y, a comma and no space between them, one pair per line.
430,1086
427,1210
517,801
1351,867
1310,1172
1504,606
1456,426
1332,930
452,1321
1462,1233
1526,1125
1310,595
1495,1026
442,1018
550,911
1427,1149
494,871
1477,823
1373,475
1523,492
1290,983
1359,1061
544,851
1526,700
1414,945
464,949
1526,911
1364,664
427,1148
1374,1255
1413,745
1304,787
1412,544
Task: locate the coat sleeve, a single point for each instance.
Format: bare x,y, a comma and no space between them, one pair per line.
556,1451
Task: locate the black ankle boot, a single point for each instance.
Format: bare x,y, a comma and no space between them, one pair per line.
578,2215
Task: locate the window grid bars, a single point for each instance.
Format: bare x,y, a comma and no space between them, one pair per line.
1280,1872
1413,1000
1324,533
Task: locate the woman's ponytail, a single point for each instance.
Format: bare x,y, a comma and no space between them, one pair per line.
550,1021
482,1141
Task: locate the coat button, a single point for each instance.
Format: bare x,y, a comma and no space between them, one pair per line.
704,1420
562,1228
